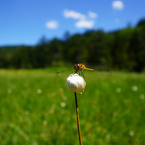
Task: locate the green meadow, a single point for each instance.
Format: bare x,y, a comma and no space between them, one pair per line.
36,108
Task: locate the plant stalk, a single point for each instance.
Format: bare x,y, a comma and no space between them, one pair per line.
78,123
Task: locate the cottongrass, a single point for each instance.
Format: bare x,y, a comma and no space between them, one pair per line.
62,104
118,90
45,122
53,94
131,133
75,83
107,137
141,96
39,91
60,90
27,112
134,88
9,91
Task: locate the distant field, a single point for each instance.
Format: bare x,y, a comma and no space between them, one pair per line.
37,109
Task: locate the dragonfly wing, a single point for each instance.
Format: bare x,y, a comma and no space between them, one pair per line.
64,71
101,69
103,73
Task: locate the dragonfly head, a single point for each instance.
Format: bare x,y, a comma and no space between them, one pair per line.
76,67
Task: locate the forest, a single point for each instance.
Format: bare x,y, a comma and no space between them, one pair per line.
122,49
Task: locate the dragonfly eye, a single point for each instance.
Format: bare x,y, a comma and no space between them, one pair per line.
76,66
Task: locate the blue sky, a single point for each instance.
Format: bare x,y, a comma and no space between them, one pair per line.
26,21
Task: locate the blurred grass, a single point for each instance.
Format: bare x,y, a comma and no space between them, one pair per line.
36,108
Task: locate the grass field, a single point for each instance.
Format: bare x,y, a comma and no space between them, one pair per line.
37,109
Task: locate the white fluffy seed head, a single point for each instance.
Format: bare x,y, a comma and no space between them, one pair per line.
75,83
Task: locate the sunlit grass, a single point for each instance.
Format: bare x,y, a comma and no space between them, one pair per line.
36,108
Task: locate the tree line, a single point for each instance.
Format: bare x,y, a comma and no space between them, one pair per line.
121,49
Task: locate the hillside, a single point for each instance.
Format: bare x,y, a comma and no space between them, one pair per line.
121,49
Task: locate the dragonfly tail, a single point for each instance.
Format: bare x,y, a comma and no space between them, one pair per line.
88,69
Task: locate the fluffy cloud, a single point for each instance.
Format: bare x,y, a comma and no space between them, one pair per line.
85,24
52,24
118,5
83,21
92,14
73,14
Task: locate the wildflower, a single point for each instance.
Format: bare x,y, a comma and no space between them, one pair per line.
134,88
62,104
53,94
9,91
39,91
141,96
60,90
45,122
27,112
107,137
13,86
131,133
64,98
118,90
75,83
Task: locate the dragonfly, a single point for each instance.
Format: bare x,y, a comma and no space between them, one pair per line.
99,69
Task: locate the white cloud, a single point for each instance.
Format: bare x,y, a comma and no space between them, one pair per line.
52,24
85,24
118,5
92,14
73,14
83,21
